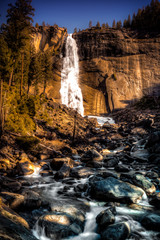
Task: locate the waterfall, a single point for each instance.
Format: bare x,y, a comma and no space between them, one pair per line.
70,91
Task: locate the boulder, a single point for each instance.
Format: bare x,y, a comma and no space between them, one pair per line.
10,184
115,190
151,221
63,172
82,172
140,181
57,163
155,200
13,200
10,230
25,166
59,225
91,155
105,218
117,231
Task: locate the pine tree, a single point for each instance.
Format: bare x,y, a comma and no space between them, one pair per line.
6,61
107,26
90,24
114,24
98,24
75,30
119,25
18,34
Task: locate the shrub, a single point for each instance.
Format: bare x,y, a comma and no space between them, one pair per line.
27,143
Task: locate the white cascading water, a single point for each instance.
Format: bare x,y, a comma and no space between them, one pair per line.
70,91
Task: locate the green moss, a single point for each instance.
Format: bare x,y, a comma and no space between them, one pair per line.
20,123
27,143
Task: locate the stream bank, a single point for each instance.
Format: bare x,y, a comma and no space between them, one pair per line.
106,187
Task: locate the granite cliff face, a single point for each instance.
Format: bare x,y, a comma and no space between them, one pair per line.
52,39
116,67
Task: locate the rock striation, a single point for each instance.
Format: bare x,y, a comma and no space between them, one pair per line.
117,67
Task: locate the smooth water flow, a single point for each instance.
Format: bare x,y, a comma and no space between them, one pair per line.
70,91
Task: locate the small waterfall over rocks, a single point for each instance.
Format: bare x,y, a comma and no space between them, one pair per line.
70,91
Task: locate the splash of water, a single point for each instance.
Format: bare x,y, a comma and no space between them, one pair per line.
70,91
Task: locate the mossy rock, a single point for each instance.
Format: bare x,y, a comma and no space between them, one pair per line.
27,142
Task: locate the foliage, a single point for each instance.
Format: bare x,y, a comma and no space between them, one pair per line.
27,142
147,18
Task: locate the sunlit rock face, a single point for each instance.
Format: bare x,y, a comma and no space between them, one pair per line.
116,68
51,39
48,38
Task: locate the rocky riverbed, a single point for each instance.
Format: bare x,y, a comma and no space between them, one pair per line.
103,185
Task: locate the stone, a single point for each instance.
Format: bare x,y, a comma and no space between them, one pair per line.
63,172
59,225
6,212
11,184
105,218
91,155
66,219
155,200
122,168
57,163
117,231
25,166
13,200
151,221
110,162
140,181
32,200
10,230
112,189
82,172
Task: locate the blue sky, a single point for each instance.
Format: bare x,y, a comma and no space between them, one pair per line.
78,13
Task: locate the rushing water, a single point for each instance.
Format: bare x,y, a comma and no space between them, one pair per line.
70,91
102,120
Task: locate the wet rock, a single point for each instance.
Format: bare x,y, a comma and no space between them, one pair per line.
117,231
10,230
140,181
115,190
105,218
122,168
46,173
7,166
91,155
63,172
12,200
139,131
93,164
57,163
11,184
155,200
152,175
66,219
112,162
25,166
82,172
59,225
32,200
151,221
6,212
108,173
